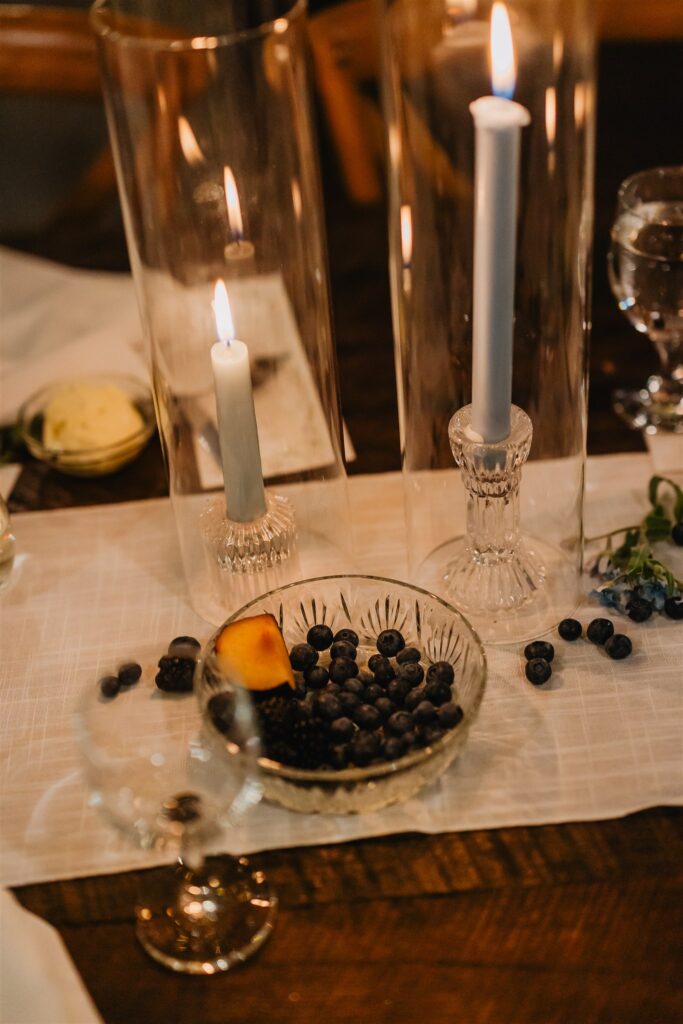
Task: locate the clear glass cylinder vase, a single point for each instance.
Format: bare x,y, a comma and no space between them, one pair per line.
209,115
437,61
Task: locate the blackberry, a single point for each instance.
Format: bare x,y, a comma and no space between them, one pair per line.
424,712
129,674
221,709
343,649
539,649
677,534
673,607
342,669
302,657
538,671
316,677
599,630
310,741
382,668
319,637
639,609
442,671
408,654
339,756
450,714
367,717
618,646
109,686
569,629
276,717
175,675
390,642
281,751
412,673
348,636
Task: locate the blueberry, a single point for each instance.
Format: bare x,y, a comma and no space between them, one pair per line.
400,723
339,756
408,654
430,733
353,685
382,668
367,717
341,730
677,534
347,636
363,748
302,657
436,692
393,748
221,709
599,630
316,677
109,686
398,690
450,714
342,669
673,607
390,642
639,609
334,688
319,637
412,673
539,649
349,701
538,671
372,692
184,647
414,697
442,671
129,674
424,712
409,740
328,707
618,646
385,707
343,649
569,629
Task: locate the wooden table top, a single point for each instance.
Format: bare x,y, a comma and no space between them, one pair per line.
560,923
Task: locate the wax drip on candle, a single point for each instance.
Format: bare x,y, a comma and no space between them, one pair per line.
498,122
237,431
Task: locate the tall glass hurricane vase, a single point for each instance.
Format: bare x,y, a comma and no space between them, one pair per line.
209,115
495,526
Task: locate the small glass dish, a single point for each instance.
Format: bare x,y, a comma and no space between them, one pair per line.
367,604
88,461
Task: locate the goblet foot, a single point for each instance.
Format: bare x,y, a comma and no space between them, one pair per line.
254,546
492,584
209,921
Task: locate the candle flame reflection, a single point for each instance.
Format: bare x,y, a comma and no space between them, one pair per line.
232,200
502,53
225,328
406,235
188,142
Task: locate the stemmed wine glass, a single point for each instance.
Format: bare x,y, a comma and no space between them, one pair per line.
645,265
163,775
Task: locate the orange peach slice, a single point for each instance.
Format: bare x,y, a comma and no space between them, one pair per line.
252,651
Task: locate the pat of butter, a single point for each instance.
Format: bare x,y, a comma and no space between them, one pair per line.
83,416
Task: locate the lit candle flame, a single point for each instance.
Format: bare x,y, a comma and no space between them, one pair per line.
502,53
232,200
225,328
188,142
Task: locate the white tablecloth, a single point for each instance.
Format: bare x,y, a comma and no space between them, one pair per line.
97,586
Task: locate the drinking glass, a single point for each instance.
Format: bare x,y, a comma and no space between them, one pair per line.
170,783
645,265
7,545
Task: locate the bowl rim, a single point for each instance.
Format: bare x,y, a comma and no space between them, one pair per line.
332,776
83,456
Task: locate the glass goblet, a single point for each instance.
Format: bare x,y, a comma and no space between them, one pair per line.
645,266
168,782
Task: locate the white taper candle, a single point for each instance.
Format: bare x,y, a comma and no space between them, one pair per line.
238,435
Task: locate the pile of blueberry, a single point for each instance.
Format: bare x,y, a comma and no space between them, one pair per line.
344,713
540,653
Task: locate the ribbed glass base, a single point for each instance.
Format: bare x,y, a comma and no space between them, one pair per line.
250,547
